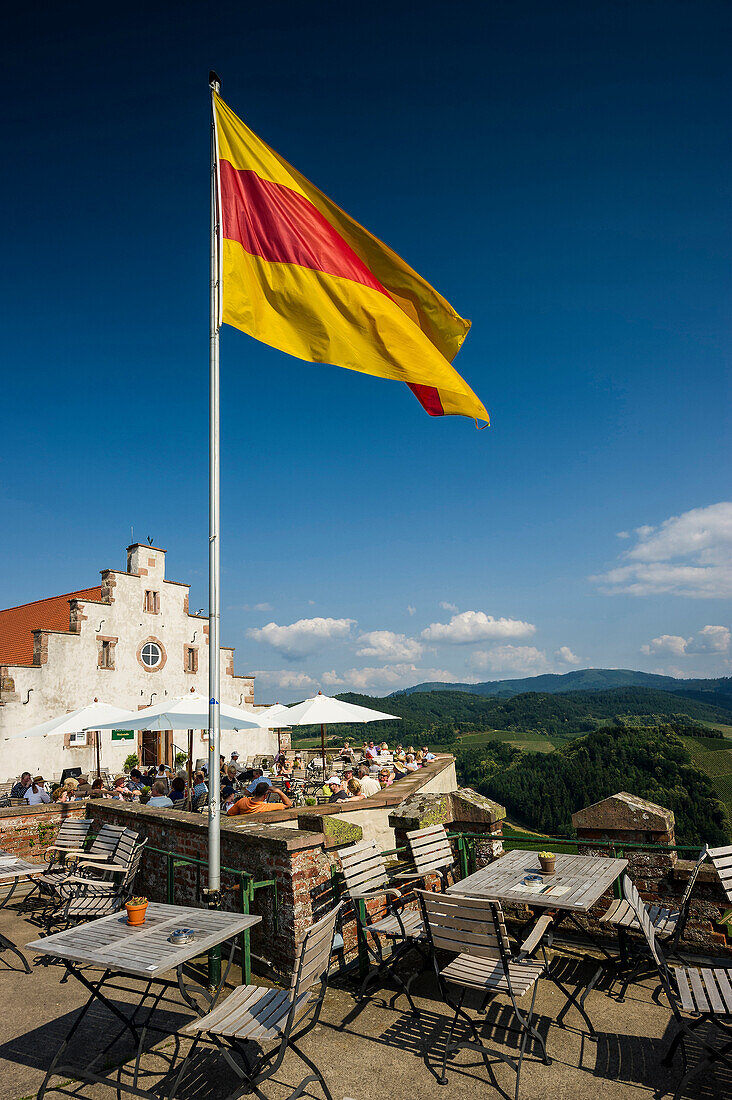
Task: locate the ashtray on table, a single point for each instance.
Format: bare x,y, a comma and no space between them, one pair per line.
182,935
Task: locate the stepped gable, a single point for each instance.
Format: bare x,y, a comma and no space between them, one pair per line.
18,623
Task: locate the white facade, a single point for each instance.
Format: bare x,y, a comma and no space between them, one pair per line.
137,607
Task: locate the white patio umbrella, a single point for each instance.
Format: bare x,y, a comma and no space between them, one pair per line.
187,712
322,710
91,717
271,716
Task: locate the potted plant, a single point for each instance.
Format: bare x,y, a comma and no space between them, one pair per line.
136,909
548,862
131,761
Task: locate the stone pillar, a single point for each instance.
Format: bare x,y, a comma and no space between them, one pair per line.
463,810
625,818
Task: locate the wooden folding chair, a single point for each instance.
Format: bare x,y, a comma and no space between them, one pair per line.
702,993
101,849
69,843
86,897
474,930
669,926
403,929
431,852
254,1016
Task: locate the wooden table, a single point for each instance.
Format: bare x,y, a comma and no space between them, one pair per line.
145,953
585,879
577,884
10,875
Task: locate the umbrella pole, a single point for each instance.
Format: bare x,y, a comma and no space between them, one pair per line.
98,738
322,749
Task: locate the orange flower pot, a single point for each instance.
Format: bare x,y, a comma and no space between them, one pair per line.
135,913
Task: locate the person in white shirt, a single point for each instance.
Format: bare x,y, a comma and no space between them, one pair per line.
36,793
369,786
427,755
159,798
411,764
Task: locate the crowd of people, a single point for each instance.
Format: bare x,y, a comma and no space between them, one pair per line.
243,791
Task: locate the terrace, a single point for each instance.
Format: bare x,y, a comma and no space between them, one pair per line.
288,875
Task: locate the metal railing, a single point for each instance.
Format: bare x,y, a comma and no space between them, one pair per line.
245,885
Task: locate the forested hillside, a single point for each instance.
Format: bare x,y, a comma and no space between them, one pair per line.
443,714
543,790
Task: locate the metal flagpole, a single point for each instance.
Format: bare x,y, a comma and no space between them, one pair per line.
214,602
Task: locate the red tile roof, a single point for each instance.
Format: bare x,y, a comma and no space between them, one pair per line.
18,623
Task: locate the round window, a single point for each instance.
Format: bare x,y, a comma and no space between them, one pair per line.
151,655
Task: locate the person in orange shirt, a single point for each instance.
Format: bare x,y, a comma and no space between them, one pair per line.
257,803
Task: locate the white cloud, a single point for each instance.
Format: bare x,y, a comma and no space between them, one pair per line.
388,646
670,644
411,610
287,679
303,637
448,606
385,678
710,639
476,626
517,659
565,654
687,555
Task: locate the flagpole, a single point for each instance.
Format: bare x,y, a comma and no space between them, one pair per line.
214,598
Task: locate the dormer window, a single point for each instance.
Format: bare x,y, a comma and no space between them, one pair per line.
152,602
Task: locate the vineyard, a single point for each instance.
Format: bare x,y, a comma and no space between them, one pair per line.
714,757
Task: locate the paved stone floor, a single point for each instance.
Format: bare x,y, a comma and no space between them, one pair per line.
370,1051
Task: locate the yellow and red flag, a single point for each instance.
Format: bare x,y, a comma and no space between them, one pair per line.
301,275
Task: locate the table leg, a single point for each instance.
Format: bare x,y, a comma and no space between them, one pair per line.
7,944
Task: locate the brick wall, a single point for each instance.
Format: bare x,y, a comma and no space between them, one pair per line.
27,831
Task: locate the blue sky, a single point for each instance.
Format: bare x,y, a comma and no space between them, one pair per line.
560,172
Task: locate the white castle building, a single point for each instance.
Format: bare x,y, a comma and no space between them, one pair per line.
130,641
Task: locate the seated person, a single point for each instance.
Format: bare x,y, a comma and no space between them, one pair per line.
427,756
259,777
256,803
36,795
400,770
371,753
346,752
411,764
199,786
135,782
337,792
68,790
159,799
177,789
369,786
229,782
119,790
355,793
385,778
97,789
18,789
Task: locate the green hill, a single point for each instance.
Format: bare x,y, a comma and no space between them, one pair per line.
441,716
586,679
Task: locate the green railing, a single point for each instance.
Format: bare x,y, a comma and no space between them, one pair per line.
245,885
